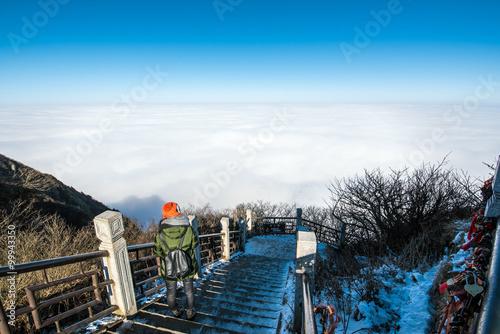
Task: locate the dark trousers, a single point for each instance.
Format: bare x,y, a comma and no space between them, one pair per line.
172,294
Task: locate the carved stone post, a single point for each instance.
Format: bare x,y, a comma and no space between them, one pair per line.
305,259
109,229
243,232
193,220
299,226
226,246
249,221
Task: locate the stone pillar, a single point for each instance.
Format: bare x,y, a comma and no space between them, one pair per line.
249,221
342,234
299,221
109,230
243,231
304,263
226,246
493,204
193,220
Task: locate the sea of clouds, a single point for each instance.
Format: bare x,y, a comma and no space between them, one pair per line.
135,160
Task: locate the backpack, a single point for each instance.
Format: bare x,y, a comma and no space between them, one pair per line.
178,264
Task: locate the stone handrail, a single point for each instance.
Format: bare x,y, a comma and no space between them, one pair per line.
304,282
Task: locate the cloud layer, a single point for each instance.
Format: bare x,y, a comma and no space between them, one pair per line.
228,154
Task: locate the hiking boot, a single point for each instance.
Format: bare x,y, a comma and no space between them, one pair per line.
190,313
178,312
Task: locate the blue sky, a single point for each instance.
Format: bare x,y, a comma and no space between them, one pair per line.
154,100
233,51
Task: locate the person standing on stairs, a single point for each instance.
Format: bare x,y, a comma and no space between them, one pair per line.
173,228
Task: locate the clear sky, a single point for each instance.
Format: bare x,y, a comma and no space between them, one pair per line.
141,102
343,51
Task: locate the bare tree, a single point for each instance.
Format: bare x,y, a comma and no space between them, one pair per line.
387,210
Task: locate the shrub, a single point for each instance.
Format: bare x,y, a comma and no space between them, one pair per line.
389,210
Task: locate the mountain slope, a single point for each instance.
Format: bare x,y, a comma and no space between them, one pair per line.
49,195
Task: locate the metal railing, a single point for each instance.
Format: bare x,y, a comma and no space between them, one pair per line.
146,267
234,242
489,317
308,318
288,225
274,225
90,294
145,270
210,248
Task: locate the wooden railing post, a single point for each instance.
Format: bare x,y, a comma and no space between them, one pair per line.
4,322
193,220
305,260
109,230
243,232
226,245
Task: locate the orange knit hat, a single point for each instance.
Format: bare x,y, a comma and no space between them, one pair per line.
171,209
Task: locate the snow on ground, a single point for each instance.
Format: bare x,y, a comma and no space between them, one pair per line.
276,246
282,247
405,304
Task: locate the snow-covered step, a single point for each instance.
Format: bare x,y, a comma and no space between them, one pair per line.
243,297
149,323
237,287
244,309
245,301
266,319
253,276
215,318
249,293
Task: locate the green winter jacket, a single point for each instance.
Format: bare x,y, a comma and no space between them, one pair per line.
172,234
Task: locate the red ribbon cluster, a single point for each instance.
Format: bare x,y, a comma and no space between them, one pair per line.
465,290
328,314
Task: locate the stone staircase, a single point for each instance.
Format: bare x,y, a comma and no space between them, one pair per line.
243,297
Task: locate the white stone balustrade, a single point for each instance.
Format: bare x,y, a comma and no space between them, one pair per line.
305,260
226,245
109,230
